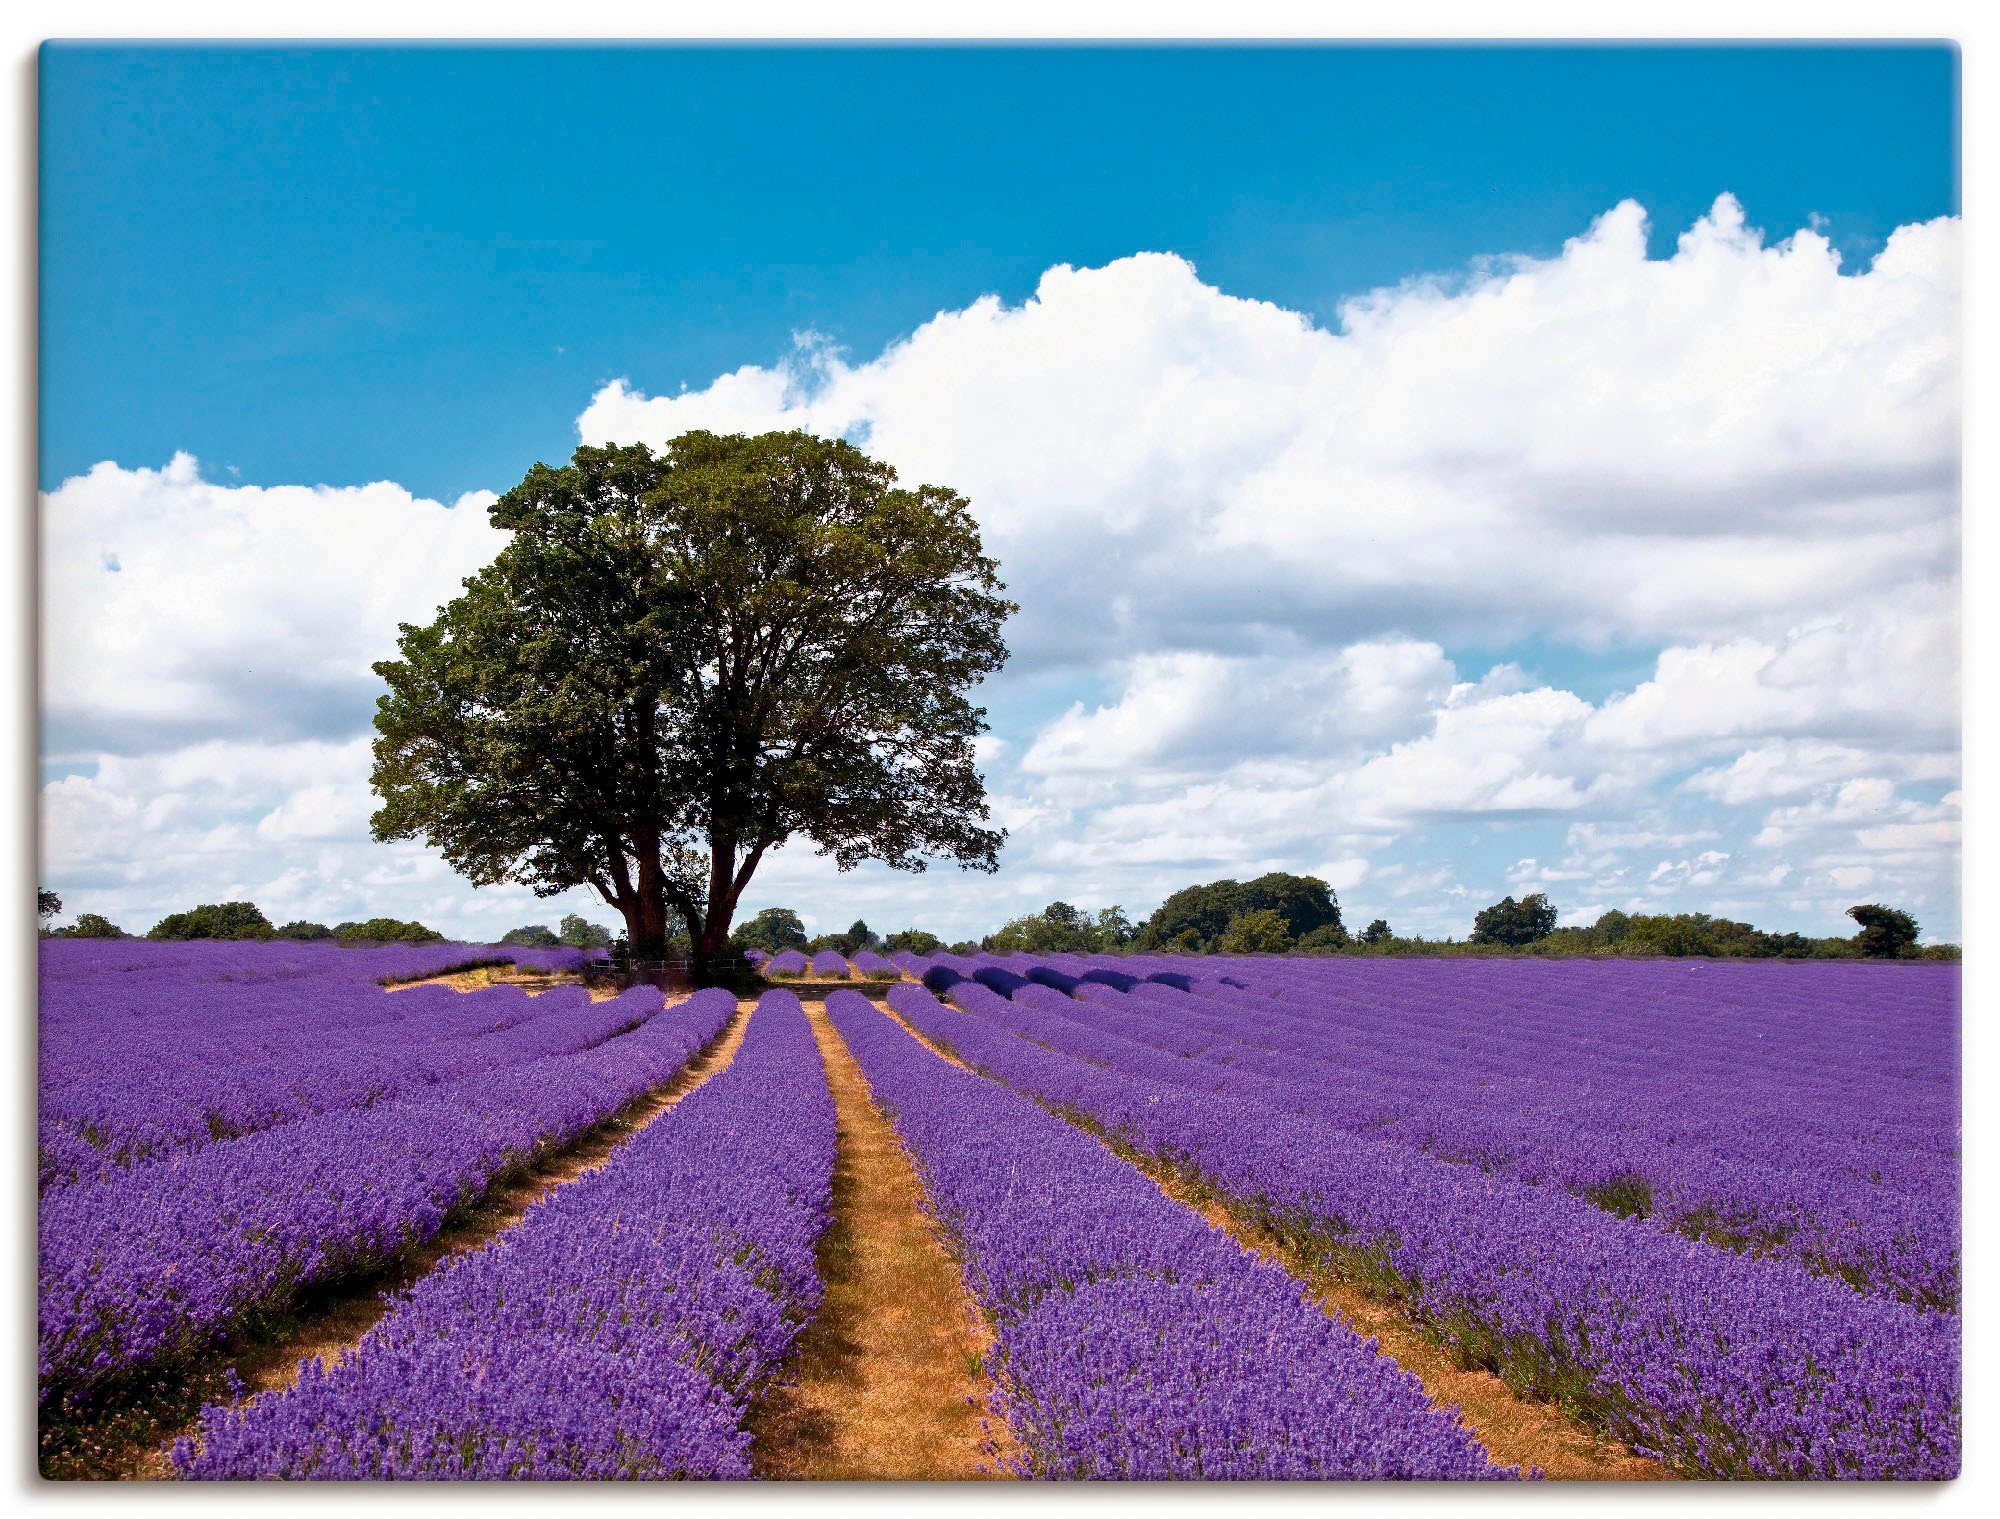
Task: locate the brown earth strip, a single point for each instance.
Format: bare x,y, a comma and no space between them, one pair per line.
1515,1430
126,1442
530,979
885,1382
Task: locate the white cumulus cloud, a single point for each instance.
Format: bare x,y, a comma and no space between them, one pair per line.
176,609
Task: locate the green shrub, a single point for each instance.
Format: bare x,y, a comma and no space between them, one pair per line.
531,936
215,920
89,925
386,931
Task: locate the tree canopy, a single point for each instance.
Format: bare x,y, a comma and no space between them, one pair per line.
530,936
1198,917
215,920
1060,928
385,931
1514,923
1887,933
578,934
681,661
89,925
775,930
1262,932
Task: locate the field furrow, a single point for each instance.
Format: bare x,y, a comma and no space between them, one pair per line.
886,1382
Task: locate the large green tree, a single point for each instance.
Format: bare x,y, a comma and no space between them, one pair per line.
681,661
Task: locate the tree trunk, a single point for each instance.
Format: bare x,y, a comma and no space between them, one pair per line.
709,944
645,927
646,919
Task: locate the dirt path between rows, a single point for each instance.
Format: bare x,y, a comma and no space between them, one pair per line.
885,1382
1516,1431
329,1322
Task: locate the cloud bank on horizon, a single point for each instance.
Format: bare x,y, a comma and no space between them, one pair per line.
1287,593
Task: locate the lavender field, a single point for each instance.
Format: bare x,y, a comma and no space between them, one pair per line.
1704,1214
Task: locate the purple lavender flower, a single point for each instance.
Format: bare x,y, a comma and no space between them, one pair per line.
1720,1362
619,1331
1133,1340
158,1261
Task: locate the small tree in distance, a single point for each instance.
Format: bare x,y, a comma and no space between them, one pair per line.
385,931
1515,923
89,925
774,930
531,936
578,934
1886,932
215,920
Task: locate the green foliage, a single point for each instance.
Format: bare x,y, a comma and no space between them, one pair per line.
1195,915
385,931
681,661
915,940
47,904
861,936
215,920
1327,939
965,947
301,930
1377,932
1514,923
578,934
531,936
1685,934
1060,928
89,925
1886,932
775,930
1195,918
1263,932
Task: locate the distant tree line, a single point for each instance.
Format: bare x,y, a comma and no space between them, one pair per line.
572,931
777,929
1286,914
1277,914
236,920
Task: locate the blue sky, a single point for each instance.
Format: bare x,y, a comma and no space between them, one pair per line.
275,259
424,266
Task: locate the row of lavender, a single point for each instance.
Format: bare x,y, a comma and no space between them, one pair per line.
1718,1363
150,1049
160,1260
1809,1111
1802,1111
1132,1341
619,1331
827,962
